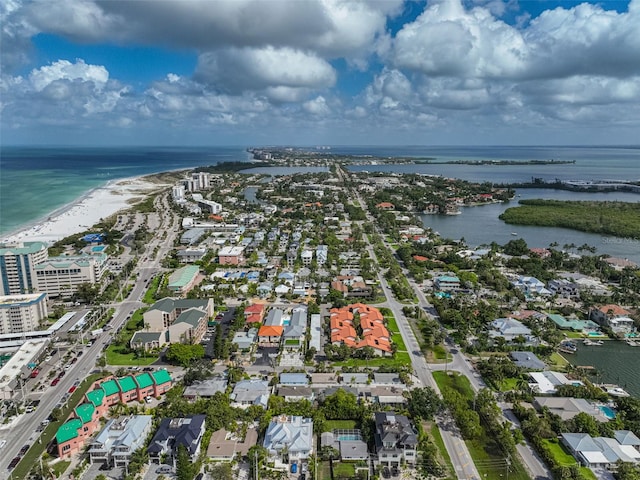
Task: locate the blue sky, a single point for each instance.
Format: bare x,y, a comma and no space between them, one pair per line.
200,72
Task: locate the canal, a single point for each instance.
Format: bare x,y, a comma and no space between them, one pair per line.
614,362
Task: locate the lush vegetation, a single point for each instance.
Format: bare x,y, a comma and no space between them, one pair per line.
611,218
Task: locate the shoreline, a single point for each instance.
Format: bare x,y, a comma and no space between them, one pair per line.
87,210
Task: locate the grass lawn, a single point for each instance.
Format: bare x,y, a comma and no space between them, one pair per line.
397,339
490,461
559,453
565,458
440,353
392,325
116,355
151,291
558,360
331,425
454,380
344,470
437,440
31,457
59,468
574,334
508,384
324,471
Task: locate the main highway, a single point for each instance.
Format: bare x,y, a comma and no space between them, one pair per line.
24,431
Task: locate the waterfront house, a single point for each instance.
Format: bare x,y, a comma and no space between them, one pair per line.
567,408
614,317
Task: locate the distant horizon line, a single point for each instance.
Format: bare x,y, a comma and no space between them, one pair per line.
316,145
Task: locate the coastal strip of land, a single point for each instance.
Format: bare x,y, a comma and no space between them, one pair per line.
620,219
89,209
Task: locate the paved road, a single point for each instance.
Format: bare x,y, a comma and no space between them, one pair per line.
24,431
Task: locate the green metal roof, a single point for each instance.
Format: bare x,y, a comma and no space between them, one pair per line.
161,376
68,431
126,384
85,412
145,337
182,276
96,396
191,317
110,387
29,247
144,380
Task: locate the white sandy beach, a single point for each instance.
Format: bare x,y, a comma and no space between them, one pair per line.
85,212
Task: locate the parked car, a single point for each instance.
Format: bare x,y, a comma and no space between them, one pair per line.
25,448
14,462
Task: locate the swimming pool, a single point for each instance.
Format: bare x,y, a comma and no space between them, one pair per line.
347,438
98,248
608,411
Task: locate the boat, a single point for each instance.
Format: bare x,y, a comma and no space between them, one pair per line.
615,390
591,343
568,347
514,234
632,343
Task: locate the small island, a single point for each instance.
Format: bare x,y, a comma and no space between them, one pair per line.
620,219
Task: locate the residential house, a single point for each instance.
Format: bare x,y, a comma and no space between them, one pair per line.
447,283
531,286
289,439
352,450
245,340
396,440
254,313
547,382
294,379
567,407
119,438
564,288
191,255
601,452
385,206
250,392
527,360
295,393
224,446
614,317
175,432
572,323
512,331
294,334
206,388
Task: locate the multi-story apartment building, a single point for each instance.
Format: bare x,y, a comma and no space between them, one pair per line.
22,313
17,267
61,276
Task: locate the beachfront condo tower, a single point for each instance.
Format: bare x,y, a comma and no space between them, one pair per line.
17,266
